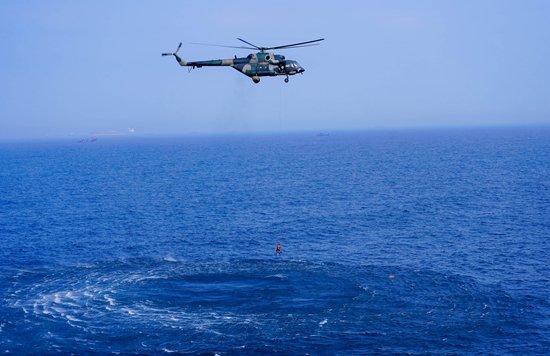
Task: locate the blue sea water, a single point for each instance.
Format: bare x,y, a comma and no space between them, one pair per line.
409,241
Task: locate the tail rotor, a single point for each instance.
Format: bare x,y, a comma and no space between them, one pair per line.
175,54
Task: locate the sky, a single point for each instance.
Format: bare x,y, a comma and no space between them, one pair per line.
77,68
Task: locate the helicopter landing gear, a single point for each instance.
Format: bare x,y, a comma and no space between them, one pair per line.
256,79
286,79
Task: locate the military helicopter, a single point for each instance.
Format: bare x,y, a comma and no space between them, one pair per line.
255,65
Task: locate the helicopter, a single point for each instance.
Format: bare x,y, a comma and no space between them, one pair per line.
255,65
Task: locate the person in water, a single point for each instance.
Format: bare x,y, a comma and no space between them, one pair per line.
278,248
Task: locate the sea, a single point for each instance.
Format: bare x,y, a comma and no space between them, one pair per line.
406,241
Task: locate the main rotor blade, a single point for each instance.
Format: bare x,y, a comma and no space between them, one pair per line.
248,43
296,44
217,45
308,45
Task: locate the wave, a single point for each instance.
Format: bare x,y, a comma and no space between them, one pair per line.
259,303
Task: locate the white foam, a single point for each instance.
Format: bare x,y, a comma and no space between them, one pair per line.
170,258
278,275
59,310
57,298
129,311
109,299
71,318
323,322
46,310
85,265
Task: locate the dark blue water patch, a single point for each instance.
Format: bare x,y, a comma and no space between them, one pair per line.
259,306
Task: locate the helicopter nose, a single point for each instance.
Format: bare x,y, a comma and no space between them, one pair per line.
301,70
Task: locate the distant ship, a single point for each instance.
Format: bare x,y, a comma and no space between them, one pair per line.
88,139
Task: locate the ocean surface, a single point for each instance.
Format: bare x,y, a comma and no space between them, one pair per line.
410,241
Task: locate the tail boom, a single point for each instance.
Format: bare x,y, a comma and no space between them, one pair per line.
198,64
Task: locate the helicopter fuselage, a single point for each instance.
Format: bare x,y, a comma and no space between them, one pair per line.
255,65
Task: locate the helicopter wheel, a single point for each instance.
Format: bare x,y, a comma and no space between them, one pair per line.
286,80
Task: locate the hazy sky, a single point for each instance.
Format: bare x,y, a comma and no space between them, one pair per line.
78,67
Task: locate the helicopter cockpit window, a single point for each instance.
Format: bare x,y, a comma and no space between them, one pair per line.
249,56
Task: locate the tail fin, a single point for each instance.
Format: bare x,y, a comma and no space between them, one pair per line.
175,54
